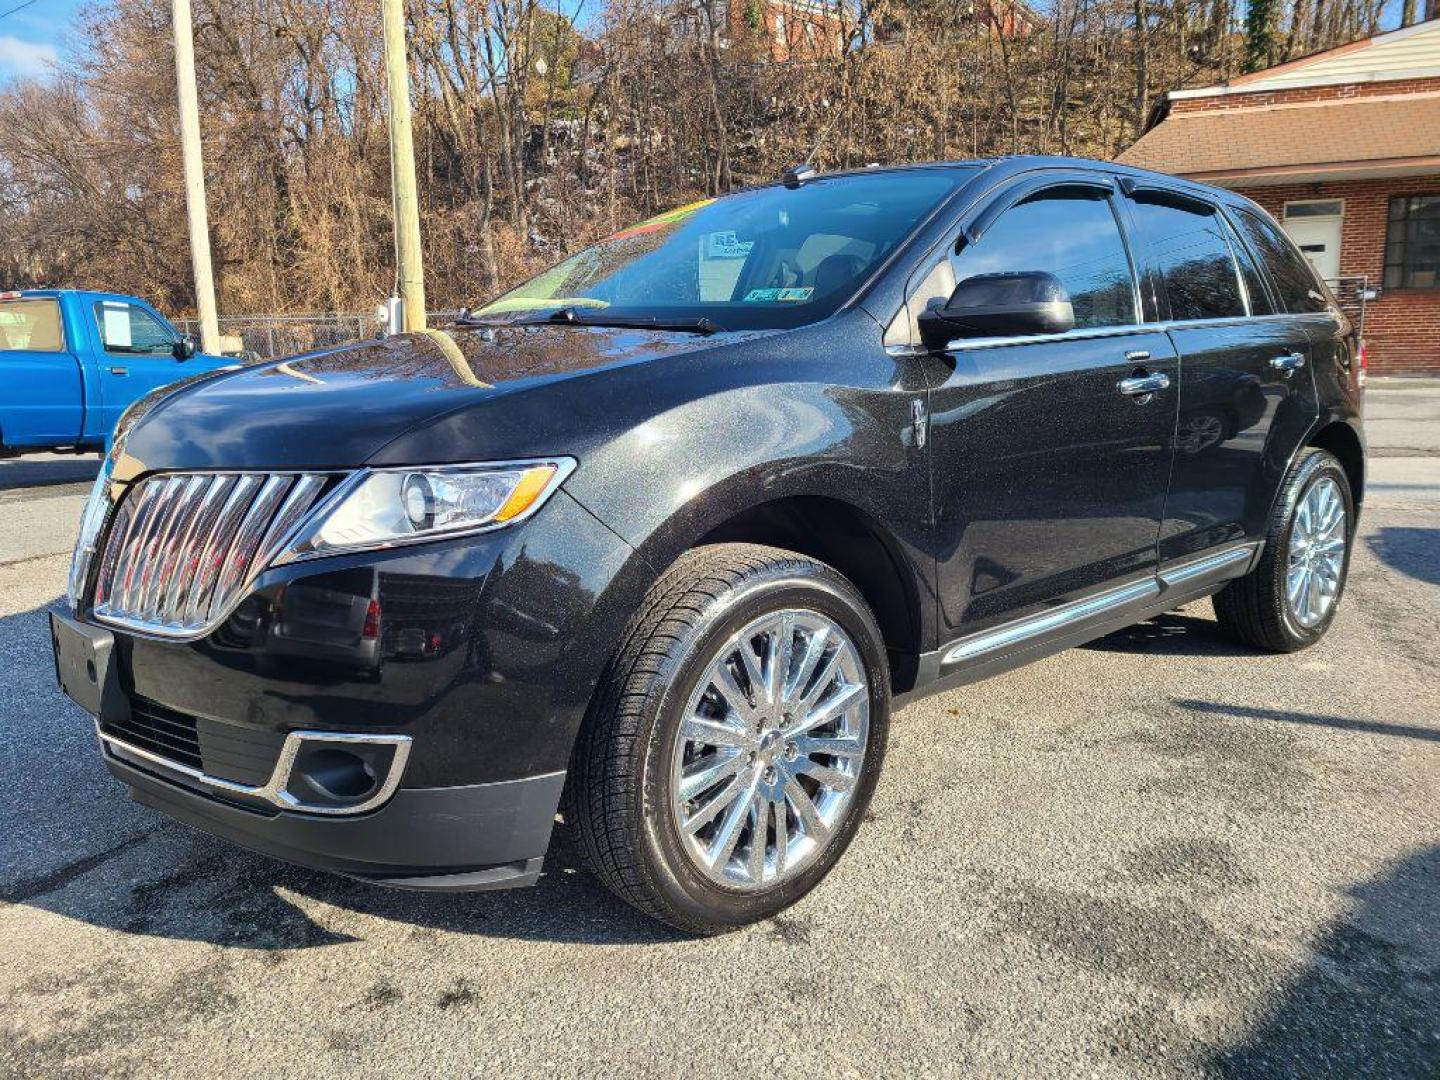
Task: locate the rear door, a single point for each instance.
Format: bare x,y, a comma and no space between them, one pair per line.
1332,336
135,354
1049,476
1244,381
41,392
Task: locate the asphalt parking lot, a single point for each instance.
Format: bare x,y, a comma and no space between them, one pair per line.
1161,854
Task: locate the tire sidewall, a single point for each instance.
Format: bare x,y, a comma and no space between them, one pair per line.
1317,466
693,895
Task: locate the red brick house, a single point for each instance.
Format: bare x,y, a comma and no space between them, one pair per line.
1343,147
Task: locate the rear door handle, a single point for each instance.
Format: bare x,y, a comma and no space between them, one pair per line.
1139,385
1288,362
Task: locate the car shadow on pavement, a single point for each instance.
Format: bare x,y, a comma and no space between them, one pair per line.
1172,634
1414,552
49,470
1340,723
88,853
1369,1002
167,881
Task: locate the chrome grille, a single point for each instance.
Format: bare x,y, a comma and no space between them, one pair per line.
183,546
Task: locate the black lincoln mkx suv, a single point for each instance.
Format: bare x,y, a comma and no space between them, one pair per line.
674,527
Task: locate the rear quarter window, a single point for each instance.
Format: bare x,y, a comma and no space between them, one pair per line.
1300,291
31,326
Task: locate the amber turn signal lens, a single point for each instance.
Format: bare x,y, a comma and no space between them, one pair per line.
531,486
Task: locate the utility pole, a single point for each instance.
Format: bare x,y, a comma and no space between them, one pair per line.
409,269
194,176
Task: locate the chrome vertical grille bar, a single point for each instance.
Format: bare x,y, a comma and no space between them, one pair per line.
105,579
197,606
297,504
247,539
184,547
167,543
136,520
145,543
182,572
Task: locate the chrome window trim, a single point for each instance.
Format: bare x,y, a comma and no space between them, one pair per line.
1126,330
274,790
1034,626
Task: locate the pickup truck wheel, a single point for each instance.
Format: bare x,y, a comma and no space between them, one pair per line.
733,747
1288,600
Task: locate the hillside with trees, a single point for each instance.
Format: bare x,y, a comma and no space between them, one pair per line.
538,130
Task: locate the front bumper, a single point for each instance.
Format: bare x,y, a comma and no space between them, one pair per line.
487,653
475,836
480,836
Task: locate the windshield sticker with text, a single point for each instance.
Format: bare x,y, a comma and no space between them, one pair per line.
761,296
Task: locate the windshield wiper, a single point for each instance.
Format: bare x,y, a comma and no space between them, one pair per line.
568,316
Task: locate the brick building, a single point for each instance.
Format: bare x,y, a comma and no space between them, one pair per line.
1343,147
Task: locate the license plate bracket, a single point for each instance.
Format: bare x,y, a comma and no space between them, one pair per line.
83,667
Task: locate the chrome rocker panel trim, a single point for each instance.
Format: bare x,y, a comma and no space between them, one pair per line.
273,790
1002,648
1034,626
1176,574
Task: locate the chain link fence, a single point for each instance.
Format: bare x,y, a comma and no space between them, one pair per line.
269,337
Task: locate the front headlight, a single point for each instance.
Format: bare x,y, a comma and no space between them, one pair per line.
92,520
381,508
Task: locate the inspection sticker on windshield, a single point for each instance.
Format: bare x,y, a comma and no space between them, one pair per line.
761,296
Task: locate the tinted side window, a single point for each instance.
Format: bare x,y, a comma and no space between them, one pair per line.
1071,235
1259,296
1194,258
1294,280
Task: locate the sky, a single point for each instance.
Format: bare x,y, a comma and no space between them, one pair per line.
31,39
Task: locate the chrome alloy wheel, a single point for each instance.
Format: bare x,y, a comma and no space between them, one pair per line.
770,749
1317,553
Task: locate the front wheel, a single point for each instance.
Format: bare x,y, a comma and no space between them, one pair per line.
733,748
1288,600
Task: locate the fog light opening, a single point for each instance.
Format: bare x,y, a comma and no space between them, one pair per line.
336,774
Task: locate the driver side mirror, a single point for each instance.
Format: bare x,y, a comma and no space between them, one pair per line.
184,349
999,305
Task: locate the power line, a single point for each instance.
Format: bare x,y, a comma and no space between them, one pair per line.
16,8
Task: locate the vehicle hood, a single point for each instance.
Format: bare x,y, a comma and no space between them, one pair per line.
338,408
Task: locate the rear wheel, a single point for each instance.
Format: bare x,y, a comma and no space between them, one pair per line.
1288,600
734,746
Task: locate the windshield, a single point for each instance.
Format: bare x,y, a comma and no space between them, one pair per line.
775,257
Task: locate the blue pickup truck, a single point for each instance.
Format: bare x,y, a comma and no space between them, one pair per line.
70,362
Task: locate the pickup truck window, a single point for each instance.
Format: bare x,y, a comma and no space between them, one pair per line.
31,326
125,328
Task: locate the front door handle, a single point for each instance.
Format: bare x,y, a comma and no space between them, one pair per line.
119,371
1289,362
1140,385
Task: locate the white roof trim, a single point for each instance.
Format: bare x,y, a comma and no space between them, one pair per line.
1271,83
1305,84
